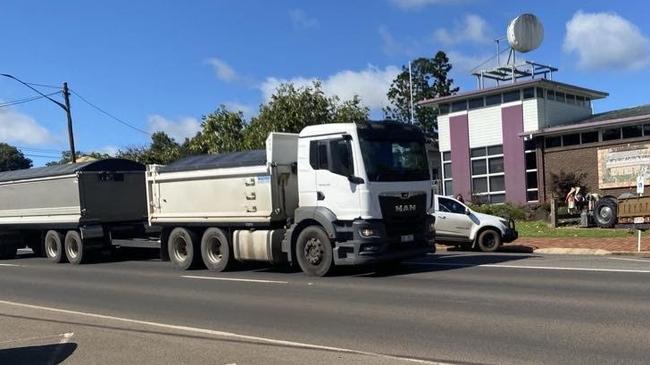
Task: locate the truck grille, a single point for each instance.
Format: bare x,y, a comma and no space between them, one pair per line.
403,213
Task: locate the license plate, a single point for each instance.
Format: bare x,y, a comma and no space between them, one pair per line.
407,238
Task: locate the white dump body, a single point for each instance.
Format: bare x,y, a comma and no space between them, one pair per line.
259,192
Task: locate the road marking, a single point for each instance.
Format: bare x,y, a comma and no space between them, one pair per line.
624,259
528,267
11,265
299,345
234,279
28,339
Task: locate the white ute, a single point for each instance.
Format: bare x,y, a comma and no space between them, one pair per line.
456,224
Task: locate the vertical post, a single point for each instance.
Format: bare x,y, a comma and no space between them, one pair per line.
411,87
553,214
66,97
638,241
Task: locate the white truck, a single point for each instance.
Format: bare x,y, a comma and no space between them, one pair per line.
335,194
458,225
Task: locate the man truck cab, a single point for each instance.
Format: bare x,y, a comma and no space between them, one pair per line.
456,224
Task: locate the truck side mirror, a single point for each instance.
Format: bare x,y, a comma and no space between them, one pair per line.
355,179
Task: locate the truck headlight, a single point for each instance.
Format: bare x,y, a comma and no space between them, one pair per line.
432,227
367,232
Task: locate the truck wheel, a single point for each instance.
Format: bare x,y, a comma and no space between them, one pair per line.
605,213
489,240
53,244
183,248
215,250
75,250
314,251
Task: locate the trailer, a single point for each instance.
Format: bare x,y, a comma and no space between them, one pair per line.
626,211
335,194
65,212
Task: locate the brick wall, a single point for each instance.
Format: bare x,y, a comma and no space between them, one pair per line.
582,159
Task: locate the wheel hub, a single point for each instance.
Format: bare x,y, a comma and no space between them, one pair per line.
314,251
214,251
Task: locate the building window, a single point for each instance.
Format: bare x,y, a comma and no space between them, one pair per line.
555,141
493,100
580,100
447,182
476,103
529,93
611,134
443,109
459,106
511,96
571,99
571,139
632,131
550,94
560,97
532,190
488,178
590,137
646,129
540,92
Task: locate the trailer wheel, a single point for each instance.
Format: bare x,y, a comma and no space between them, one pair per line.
215,250
75,250
183,247
605,212
53,244
489,240
314,251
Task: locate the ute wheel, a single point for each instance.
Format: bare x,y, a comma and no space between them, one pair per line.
314,251
215,250
76,251
183,248
53,245
489,240
605,213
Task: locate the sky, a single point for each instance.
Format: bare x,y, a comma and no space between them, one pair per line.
162,65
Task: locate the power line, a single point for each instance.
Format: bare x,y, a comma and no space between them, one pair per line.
110,115
42,156
26,100
44,85
38,149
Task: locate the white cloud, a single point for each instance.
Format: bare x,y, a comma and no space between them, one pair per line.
179,129
392,46
109,150
300,19
370,84
606,41
472,28
223,71
413,4
465,64
16,127
236,106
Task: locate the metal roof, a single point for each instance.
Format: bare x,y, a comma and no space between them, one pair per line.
223,160
111,164
618,117
593,94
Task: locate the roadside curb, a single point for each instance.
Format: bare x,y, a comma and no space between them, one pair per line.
573,251
631,253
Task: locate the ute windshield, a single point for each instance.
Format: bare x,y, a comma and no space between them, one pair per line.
394,159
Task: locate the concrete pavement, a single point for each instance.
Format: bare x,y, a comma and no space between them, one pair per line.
452,308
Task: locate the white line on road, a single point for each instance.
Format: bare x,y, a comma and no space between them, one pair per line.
234,279
28,339
299,345
528,267
624,259
11,265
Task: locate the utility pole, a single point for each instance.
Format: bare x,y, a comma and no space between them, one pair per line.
66,97
411,91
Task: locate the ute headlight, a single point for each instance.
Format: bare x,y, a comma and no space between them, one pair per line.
367,232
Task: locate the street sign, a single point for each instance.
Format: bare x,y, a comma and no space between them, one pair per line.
640,184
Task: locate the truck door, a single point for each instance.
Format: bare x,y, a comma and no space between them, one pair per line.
332,159
451,220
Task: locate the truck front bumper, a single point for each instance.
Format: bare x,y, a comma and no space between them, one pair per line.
381,247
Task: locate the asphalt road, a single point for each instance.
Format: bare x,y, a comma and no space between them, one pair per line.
459,308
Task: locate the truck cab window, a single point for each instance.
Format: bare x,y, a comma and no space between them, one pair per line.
322,156
450,206
341,153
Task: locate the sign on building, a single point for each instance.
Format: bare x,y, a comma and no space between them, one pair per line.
619,167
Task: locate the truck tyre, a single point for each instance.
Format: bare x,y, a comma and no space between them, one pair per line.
183,247
605,212
53,244
215,250
489,240
314,251
75,250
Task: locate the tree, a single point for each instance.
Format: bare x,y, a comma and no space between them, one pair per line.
430,80
66,157
12,159
291,109
221,131
163,150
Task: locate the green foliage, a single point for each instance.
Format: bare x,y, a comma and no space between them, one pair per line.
527,229
507,210
66,157
12,159
221,131
562,183
163,150
291,109
430,80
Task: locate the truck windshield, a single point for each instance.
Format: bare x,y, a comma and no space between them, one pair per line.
394,160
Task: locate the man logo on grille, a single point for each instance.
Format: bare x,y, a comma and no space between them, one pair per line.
405,208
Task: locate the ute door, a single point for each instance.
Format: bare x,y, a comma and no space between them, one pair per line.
333,161
452,222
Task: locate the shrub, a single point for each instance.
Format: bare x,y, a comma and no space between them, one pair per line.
507,210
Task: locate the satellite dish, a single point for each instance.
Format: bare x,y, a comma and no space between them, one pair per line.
525,33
